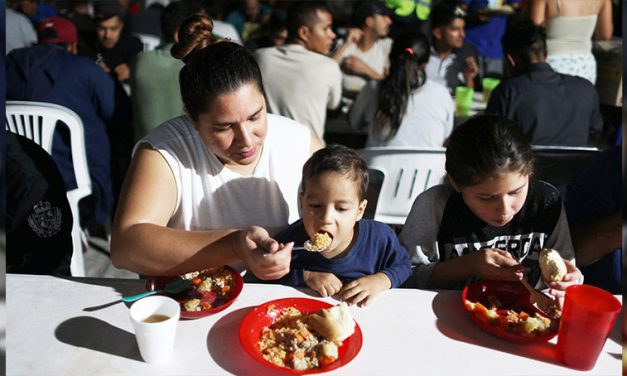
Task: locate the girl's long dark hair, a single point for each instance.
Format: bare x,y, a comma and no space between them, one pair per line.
410,50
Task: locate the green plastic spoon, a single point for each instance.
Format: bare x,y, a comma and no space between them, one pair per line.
171,288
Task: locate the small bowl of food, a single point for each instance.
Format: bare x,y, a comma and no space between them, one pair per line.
301,335
210,290
503,309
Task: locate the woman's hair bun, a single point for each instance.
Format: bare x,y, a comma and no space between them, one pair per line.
195,33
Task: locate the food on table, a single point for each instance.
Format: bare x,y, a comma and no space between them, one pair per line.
209,288
512,321
292,342
334,324
319,242
552,265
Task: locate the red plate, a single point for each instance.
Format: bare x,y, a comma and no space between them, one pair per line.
157,283
252,326
512,295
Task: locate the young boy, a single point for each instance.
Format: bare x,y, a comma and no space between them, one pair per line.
365,256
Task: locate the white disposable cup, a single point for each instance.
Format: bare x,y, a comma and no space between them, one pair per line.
155,339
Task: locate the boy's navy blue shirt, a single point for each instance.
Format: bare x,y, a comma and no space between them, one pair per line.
376,249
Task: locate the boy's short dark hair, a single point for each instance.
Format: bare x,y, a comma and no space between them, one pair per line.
303,13
445,13
523,39
340,159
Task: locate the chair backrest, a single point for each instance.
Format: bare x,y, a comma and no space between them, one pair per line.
37,121
407,172
559,165
149,42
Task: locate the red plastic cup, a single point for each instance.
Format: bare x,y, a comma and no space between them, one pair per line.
587,318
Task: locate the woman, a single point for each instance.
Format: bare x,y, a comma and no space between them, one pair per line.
406,108
198,179
570,27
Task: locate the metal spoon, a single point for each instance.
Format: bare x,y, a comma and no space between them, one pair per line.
542,302
173,287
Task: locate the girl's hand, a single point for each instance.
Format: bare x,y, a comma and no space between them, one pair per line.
496,264
263,256
572,277
326,284
362,291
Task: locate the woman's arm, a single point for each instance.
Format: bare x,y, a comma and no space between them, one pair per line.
605,26
537,11
142,242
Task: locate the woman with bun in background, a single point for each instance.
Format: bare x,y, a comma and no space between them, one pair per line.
199,179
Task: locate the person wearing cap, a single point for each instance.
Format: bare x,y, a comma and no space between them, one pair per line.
300,80
52,72
364,55
453,62
115,49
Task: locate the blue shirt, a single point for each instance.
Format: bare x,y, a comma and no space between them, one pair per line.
49,73
376,249
486,36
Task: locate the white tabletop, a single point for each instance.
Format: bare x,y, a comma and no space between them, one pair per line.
80,327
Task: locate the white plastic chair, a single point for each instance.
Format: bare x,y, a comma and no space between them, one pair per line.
149,42
37,122
406,173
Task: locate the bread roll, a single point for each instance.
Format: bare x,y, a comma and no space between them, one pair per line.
334,324
552,265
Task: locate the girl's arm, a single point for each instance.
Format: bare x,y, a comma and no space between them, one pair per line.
605,26
537,12
142,242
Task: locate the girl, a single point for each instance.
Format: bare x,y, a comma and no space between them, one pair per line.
493,219
199,178
406,108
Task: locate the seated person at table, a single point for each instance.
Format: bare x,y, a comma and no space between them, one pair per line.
364,257
198,179
407,108
492,220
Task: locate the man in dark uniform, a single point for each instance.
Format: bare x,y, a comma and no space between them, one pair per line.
39,219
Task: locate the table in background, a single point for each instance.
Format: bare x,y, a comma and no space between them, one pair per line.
79,326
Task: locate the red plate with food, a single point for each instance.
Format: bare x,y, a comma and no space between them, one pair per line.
301,335
210,290
503,309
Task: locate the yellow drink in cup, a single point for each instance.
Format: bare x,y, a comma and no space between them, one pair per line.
489,84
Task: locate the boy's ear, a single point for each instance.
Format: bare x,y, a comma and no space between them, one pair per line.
361,209
437,33
301,199
303,33
453,184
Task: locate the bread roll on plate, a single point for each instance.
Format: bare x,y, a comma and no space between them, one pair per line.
334,324
552,265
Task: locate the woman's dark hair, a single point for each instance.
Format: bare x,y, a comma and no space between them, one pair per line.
487,146
212,66
410,50
340,159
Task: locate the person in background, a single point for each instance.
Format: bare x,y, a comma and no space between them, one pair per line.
36,10
364,257
19,30
551,108
272,33
452,63
39,218
248,17
199,183
51,72
485,24
115,49
301,81
593,204
407,108
571,25
155,74
364,54
221,28
147,21
492,220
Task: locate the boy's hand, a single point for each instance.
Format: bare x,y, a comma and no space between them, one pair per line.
326,284
572,277
496,264
362,291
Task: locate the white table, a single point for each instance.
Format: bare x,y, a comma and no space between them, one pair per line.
80,327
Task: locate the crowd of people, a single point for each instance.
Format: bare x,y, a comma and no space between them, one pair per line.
210,149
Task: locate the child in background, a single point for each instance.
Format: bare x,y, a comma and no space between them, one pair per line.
492,220
365,257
